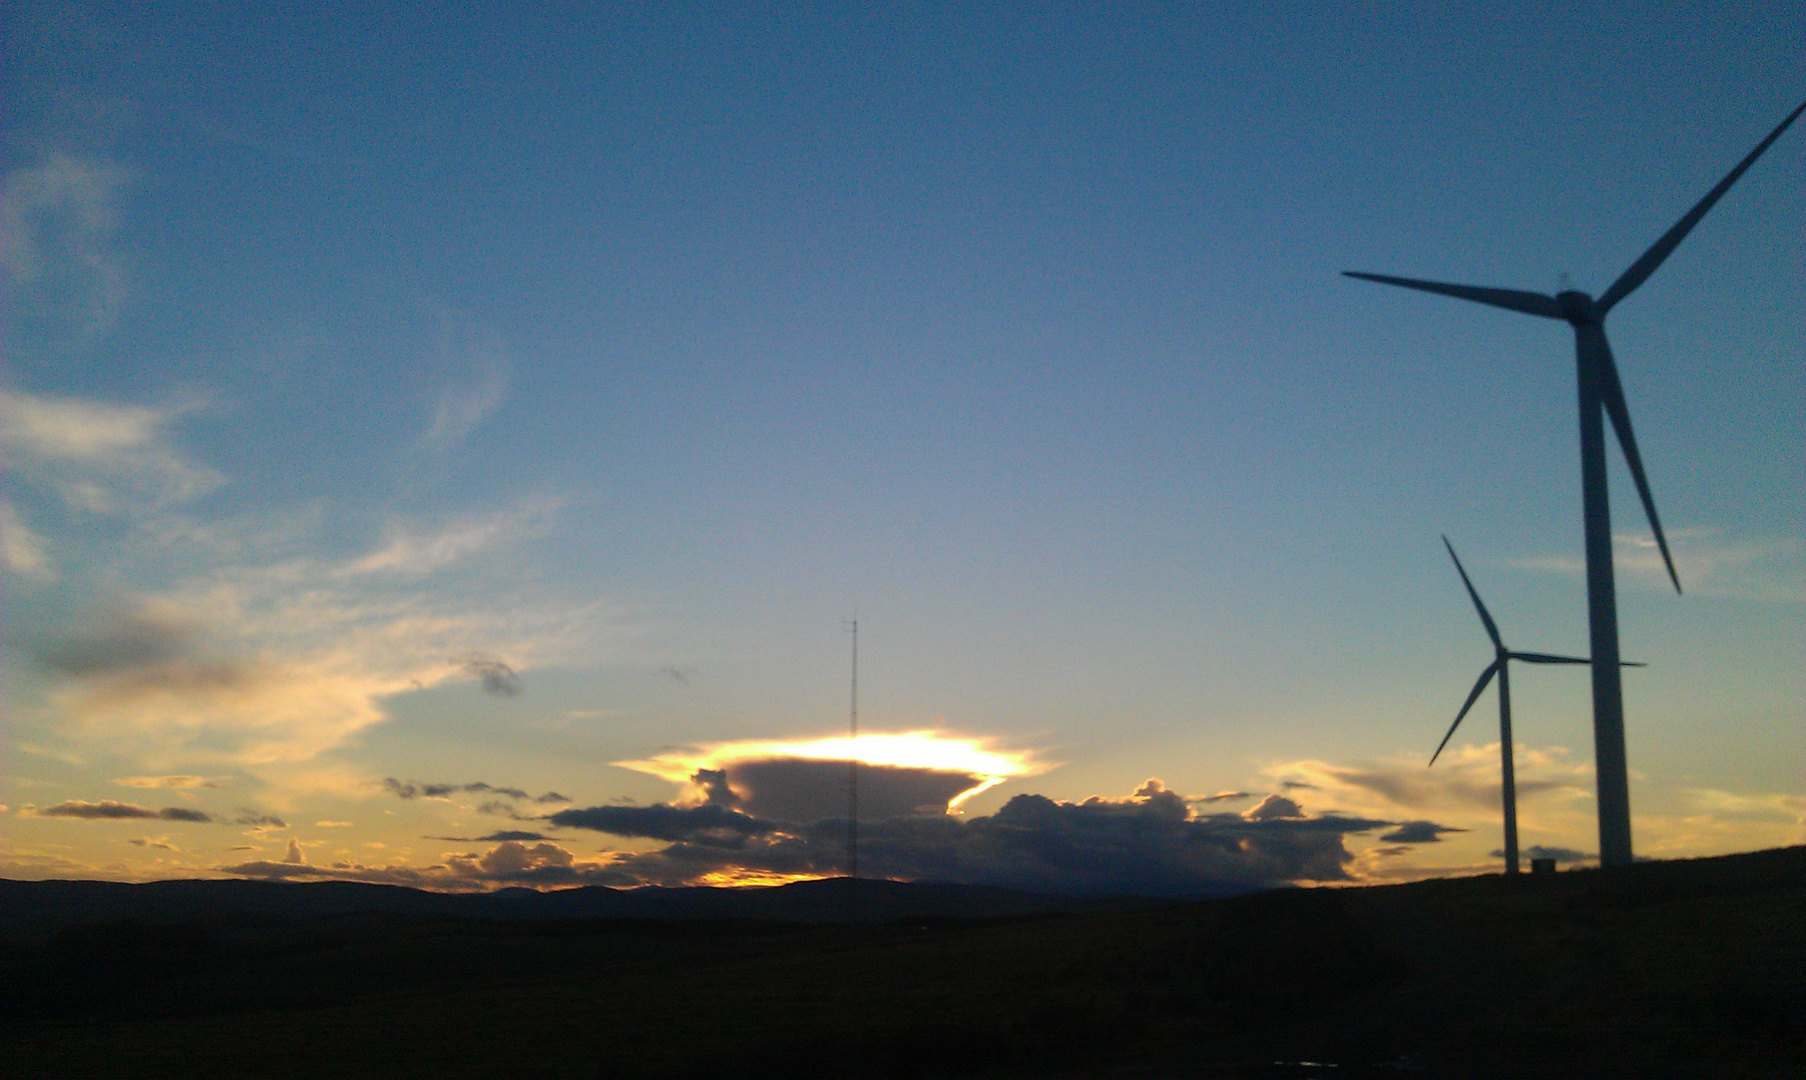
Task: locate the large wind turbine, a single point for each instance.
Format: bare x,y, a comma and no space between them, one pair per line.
1601,390
1500,666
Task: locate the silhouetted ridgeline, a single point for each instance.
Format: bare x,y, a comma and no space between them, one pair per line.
35,906
1690,968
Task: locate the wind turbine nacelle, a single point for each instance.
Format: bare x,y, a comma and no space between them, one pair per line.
1576,306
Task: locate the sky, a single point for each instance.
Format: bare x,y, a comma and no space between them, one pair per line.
449,448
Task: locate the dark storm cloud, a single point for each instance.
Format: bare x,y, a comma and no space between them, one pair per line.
801,789
108,809
498,678
809,789
1149,844
1275,806
711,823
1418,832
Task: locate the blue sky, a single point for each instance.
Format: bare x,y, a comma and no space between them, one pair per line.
351,349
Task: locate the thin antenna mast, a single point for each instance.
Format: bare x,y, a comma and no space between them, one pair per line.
853,782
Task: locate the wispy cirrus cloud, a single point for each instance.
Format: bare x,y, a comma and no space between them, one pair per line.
58,222
478,385
22,551
409,550
1466,778
260,667
1709,564
101,457
171,781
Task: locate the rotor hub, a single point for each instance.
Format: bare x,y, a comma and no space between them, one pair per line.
1576,306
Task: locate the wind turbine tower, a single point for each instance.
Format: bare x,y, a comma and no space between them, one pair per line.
1601,392
1500,666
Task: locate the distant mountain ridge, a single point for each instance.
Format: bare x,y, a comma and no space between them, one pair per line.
28,906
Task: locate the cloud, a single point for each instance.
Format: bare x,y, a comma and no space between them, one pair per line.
1221,796
253,818
680,675
294,855
99,457
171,782
504,834
414,789
803,780
1148,844
709,823
1274,806
265,673
802,789
1418,832
498,678
1465,776
411,552
153,672
108,809
1770,569
144,842
511,862
21,550
57,224
137,639
474,391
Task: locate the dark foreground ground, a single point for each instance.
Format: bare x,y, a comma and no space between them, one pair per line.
1693,968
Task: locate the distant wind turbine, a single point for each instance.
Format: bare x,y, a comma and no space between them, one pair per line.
1500,666
1600,389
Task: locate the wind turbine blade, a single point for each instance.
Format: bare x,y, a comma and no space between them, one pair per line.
1485,677
1612,392
1510,299
1547,658
1492,630
1641,269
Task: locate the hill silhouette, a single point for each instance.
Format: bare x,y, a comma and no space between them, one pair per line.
1686,968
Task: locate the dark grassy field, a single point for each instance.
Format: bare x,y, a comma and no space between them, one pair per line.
1691,968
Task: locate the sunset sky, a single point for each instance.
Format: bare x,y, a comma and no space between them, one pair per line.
448,448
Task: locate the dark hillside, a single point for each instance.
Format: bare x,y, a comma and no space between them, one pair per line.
1694,968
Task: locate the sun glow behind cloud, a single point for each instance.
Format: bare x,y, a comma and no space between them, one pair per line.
935,750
